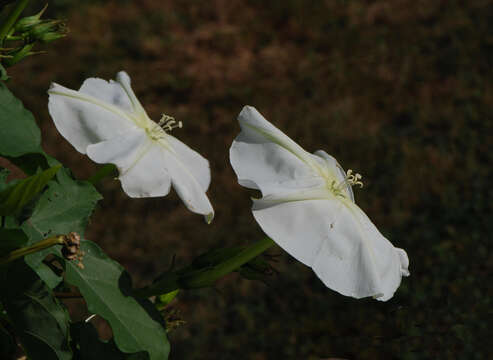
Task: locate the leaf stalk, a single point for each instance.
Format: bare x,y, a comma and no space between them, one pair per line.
41,245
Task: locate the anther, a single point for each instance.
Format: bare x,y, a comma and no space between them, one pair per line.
168,123
349,180
353,179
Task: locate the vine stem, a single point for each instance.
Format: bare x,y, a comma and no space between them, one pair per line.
12,18
208,277
41,245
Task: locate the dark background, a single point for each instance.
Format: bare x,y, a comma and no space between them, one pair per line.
398,90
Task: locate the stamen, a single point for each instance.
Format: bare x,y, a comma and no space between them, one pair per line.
349,180
353,179
168,123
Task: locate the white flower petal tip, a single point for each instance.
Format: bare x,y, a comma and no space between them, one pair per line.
308,209
404,262
105,120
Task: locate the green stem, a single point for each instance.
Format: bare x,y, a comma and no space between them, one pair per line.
103,171
21,54
208,277
11,19
41,245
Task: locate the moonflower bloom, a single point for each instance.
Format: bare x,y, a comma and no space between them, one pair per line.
308,209
106,121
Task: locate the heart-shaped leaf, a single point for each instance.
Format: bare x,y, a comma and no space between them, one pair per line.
106,287
19,133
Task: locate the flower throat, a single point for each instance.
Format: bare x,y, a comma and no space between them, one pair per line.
350,179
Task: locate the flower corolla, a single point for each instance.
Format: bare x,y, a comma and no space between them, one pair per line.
308,209
106,121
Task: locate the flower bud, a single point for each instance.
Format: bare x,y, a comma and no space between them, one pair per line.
27,22
45,26
50,36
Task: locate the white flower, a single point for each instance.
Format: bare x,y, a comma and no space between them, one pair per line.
106,121
308,209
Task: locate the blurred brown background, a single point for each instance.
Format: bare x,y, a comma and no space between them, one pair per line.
399,90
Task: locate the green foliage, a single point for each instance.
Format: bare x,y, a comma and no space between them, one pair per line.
107,289
38,319
91,347
15,197
64,207
209,267
3,73
11,239
257,268
19,133
7,344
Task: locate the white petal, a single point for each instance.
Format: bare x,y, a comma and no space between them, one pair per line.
124,80
256,127
339,242
196,163
188,187
140,162
264,158
83,119
110,92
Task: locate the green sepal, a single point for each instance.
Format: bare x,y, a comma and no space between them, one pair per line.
28,22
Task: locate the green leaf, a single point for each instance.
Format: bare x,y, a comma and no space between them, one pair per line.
91,347
106,287
64,207
31,163
19,133
11,239
15,197
51,279
41,323
7,344
3,73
